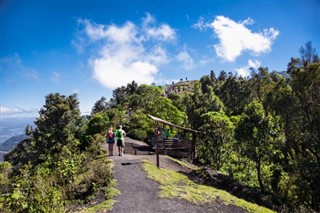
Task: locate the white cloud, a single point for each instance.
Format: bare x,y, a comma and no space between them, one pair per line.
14,112
13,63
6,110
186,59
158,55
112,73
235,38
163,32
150,31
149,19
75,91
245,71
55,77
128,52
205,60
201,24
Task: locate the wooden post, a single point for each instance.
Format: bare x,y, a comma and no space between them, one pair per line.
157,150
193,146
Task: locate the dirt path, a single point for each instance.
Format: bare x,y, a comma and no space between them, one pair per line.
140,194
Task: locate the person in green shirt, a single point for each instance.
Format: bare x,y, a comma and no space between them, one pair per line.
166,134
120,133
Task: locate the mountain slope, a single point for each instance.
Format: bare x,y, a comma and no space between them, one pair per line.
12,142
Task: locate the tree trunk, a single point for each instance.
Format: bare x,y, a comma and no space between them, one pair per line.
258,166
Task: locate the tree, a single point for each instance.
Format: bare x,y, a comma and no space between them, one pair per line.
205,83
28,130
98,123
235,93
304,122
223,75
119,95
259,135
99,106
212,76
57,124
140,126
200,103
178,101
132,88
219,132
308,54
116,116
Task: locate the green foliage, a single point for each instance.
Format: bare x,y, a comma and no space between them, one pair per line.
58,122
263,131
177,185
98,123
49,168
33,190
235,94
200,103
116,116
100,106
5,173
140,126
139,102
214,144
240,168
260,136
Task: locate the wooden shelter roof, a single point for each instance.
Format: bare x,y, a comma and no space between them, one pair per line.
171,124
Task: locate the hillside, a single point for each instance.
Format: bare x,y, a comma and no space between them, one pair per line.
179,87
12,142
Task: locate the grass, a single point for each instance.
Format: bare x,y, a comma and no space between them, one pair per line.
107,205
110,191
184,164
176,185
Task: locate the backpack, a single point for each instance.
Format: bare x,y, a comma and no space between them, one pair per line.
118,134
110,135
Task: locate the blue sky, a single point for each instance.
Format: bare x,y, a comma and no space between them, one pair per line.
92,47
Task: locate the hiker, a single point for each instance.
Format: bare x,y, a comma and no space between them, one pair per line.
110,141
166,134
120,133
176,138
155,136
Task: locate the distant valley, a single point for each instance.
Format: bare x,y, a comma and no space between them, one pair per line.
12,132
11,143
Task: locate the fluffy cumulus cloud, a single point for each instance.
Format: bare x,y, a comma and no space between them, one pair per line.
127,52
185,58
236,37
245,71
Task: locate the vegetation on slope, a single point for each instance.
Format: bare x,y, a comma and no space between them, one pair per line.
61,165
174,184
263,131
